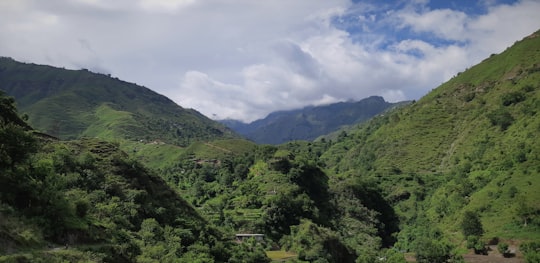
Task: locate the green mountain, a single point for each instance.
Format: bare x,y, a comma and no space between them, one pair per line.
439,177
310,122
470,145
71,104
456,169
87,201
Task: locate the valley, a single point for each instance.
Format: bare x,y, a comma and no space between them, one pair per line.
129,176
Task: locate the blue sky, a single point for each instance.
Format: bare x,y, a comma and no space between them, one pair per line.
243,59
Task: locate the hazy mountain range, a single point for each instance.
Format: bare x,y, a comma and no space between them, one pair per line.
310,122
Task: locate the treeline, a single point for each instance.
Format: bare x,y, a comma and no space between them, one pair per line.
282,192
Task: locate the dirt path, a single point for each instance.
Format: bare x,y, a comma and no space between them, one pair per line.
217,147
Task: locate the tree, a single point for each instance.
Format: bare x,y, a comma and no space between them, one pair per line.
433,251
16,143
394,256
501,117
523,210
471,224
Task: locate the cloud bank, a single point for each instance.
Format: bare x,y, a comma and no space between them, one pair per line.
243,59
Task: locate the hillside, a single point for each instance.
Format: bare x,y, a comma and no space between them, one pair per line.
71,104
469,145
87,201
442,176
310,122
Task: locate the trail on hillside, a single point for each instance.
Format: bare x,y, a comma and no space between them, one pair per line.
217,147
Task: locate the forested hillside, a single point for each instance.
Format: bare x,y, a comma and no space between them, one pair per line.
468,147
444,176
310,122
86,200
71,104
457,169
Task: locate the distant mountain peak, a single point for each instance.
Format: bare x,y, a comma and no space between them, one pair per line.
309,122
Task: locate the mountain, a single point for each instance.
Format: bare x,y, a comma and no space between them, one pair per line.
87,201
446,175
77,103
470,145
310,122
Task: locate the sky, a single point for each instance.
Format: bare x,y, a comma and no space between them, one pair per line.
242,59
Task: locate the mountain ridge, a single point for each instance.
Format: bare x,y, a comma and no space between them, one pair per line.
310,122
75,103
468,145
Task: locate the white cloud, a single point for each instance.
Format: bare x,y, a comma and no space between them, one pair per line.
164,5
244,59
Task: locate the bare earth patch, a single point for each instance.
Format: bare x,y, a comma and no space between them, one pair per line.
493,257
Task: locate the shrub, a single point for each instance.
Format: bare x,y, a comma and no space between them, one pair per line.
531,251
433,251
503,249
471,224
474,242
501,117
512,98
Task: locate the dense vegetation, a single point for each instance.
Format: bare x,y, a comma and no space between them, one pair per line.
310,122
467,148
447,174
281,192
87,200
69,104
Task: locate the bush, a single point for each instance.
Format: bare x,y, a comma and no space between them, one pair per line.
471,224
501,117
474,242
531,251
503,249
512,98
433,251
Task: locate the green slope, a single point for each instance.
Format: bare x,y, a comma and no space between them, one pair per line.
74,103
87,201
469,145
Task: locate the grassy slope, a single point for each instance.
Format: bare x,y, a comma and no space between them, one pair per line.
446,141
74,103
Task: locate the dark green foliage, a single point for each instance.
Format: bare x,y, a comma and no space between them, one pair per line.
512,191
503,249
250,251
9,112
272,190
501,117
471,224
318,244
91,196
476,243
433,251
16,144
512,98
394,256
531,251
